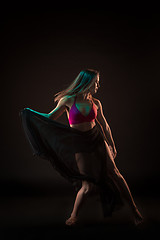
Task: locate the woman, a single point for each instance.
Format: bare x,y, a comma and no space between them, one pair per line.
83,152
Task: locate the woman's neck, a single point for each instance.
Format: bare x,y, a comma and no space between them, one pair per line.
84,96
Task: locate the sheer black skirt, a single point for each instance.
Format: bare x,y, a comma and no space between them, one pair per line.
76,155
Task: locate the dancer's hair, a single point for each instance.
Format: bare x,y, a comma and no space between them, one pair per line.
81,84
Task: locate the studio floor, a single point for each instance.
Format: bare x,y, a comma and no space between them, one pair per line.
41,214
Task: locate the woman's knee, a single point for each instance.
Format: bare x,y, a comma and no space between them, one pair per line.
87,188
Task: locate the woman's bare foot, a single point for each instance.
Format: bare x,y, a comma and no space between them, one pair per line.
138,219
71,221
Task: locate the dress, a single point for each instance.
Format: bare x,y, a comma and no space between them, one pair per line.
59,143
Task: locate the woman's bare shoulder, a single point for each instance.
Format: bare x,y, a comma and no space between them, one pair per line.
96,100
68,100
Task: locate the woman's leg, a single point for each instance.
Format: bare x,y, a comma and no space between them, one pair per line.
83,163
81,196
122,185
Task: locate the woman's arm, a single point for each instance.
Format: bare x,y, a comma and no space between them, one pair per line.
105,127
59,109
108,135
56,112
42,114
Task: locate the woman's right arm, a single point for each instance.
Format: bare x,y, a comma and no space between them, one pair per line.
42,114
59,109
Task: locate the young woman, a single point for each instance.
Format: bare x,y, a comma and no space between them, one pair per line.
83,152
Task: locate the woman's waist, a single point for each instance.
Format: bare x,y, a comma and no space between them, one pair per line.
83,127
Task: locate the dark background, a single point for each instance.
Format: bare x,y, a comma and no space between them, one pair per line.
43,50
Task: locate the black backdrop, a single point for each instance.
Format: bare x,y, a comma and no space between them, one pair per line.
43,51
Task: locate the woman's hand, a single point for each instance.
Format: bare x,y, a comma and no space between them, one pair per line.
113,151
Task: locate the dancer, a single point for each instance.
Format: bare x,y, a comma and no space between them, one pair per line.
84,151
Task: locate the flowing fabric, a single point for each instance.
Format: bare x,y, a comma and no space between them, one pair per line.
75,154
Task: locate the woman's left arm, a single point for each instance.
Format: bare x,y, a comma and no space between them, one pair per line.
108,135
105,128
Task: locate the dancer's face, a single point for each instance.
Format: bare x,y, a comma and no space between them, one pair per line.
95,86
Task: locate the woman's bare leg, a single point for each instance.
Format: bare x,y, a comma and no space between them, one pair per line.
81,196
122,185
126,193
83,166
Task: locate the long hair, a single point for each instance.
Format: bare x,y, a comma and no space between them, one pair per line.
81,84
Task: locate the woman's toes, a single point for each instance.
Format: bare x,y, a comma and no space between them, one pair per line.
71,221
138,219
